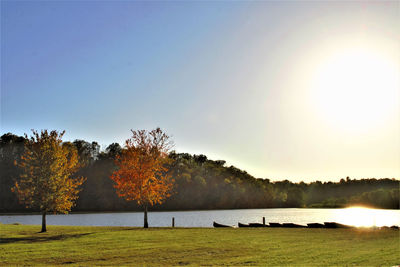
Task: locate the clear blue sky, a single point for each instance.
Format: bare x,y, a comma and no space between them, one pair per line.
263,85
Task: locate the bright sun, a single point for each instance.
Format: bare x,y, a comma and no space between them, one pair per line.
361,216
356,89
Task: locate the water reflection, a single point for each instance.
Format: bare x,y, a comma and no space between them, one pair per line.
364,217
351,216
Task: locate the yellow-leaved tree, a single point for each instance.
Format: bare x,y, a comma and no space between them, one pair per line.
47,181
142,173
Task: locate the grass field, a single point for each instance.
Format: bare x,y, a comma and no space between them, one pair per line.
23,245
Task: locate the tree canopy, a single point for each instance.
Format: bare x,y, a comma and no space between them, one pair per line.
201,183
142,172
46,181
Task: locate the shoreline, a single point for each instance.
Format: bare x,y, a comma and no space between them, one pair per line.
194,210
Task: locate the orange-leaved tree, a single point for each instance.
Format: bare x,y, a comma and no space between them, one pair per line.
142,173
48,166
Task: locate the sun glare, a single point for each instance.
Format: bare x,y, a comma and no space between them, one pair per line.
364,217
356,89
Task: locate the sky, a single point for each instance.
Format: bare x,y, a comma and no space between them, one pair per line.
297,90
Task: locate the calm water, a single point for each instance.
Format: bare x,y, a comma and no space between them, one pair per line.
350,216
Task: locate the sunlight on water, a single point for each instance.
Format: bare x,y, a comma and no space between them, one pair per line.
356,216
364,217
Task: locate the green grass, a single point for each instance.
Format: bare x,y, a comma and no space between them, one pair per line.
87,246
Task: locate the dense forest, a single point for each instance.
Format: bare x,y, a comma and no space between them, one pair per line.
200,183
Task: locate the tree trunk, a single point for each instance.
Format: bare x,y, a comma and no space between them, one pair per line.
146,224
43,221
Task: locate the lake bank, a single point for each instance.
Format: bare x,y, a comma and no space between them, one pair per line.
183,210
21,245
205,218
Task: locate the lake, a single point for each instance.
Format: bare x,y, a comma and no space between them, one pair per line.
351,216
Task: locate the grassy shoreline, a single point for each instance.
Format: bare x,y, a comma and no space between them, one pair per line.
88,245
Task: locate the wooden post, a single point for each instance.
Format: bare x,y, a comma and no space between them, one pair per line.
173,221
263,221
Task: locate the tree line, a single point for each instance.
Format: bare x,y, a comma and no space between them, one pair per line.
200,183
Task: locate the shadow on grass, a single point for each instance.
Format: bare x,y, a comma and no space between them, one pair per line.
34,239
